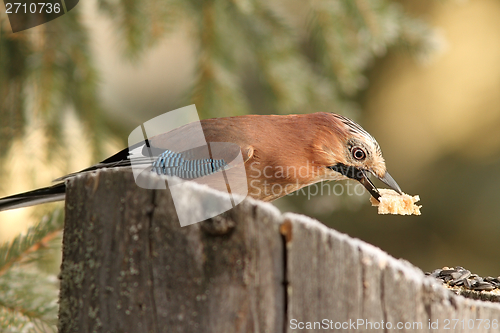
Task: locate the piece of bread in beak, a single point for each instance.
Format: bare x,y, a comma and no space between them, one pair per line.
392,202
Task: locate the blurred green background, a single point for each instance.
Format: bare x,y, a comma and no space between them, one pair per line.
423,77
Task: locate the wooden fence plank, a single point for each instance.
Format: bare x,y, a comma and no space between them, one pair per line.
128,266
339,283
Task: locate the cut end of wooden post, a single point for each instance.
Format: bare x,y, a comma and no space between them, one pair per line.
286,230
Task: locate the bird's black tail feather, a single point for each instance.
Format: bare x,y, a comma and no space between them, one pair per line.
57,192
42,195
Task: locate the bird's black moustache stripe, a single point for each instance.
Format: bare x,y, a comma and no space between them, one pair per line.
357,174
348,171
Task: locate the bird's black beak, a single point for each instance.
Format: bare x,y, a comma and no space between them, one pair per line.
362,176
389,181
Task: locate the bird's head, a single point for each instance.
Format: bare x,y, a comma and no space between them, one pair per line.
358,157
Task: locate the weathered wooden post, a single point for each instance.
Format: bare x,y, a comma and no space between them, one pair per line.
128,266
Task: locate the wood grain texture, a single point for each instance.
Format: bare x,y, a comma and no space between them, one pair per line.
357,286
128,266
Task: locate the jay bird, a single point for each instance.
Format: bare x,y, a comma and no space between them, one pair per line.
281,154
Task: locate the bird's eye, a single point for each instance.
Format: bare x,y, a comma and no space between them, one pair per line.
358,153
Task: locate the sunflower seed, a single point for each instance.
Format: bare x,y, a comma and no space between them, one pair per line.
484,286
446,272
460,276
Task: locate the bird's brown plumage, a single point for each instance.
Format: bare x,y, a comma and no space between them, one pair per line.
282,153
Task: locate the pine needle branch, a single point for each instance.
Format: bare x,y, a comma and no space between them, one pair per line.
26,246
28,295
28,300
